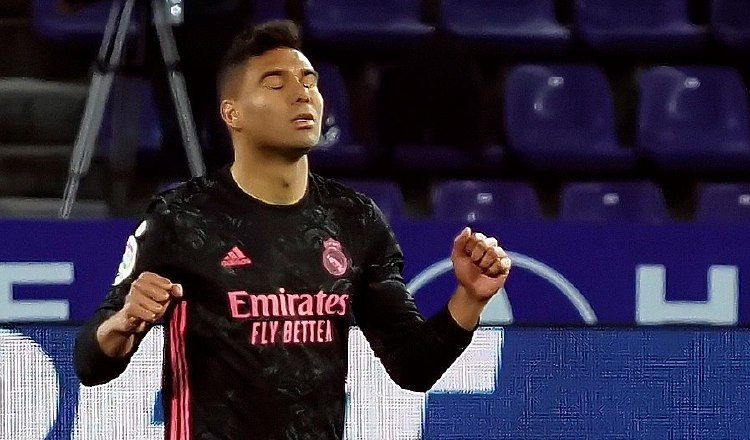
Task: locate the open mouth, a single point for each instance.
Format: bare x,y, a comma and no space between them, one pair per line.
304,120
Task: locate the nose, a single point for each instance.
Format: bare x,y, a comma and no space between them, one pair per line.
303,97
302,92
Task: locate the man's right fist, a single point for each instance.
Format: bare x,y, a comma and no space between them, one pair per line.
147,301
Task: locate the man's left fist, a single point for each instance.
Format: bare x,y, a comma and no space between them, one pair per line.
481,266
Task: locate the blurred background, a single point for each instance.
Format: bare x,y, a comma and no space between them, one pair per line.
606,143
542,93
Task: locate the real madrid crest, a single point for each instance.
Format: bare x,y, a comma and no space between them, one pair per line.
334,258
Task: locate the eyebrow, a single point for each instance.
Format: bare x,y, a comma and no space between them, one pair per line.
279,72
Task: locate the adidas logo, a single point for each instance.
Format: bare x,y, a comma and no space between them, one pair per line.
235,258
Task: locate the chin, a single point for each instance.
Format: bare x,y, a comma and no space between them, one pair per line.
306,143
295,151
303,149
296,145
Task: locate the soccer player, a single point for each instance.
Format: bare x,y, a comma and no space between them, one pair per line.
259,270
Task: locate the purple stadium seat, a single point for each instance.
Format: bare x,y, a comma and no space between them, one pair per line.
482,201
694,118
730,23
562,118
85,26
264,10
637,25
387,195
522,24
613,201
724,202
363,21
336,149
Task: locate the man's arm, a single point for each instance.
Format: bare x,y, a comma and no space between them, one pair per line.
481,267
416,352
93,366
133,304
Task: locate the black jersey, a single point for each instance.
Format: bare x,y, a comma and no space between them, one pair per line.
257,346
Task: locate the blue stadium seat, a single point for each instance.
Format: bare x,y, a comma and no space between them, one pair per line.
694,118
386,194
483,201
336,149
364,21
562,118
265,10
730,23
613,201
637,25
85,26
522,24
724,202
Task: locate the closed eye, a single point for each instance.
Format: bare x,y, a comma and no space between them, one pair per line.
274,82
310,80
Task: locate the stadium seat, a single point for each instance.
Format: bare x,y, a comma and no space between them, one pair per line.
521,24
613,201
483,201
644,26
40,112
364,21
724,202
265,10
336,149
694,118
84,26
387,195
562,118
730,23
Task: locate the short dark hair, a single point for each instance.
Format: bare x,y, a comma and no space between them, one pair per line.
253,42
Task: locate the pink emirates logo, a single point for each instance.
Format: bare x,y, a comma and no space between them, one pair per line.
305,317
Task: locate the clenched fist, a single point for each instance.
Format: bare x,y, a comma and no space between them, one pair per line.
147,301
481,266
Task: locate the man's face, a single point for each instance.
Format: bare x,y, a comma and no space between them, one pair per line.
278,104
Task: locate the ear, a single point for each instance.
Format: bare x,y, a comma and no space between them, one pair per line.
229,113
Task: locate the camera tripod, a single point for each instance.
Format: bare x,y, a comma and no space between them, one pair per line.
115,34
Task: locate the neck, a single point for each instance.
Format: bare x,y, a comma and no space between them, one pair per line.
269,176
